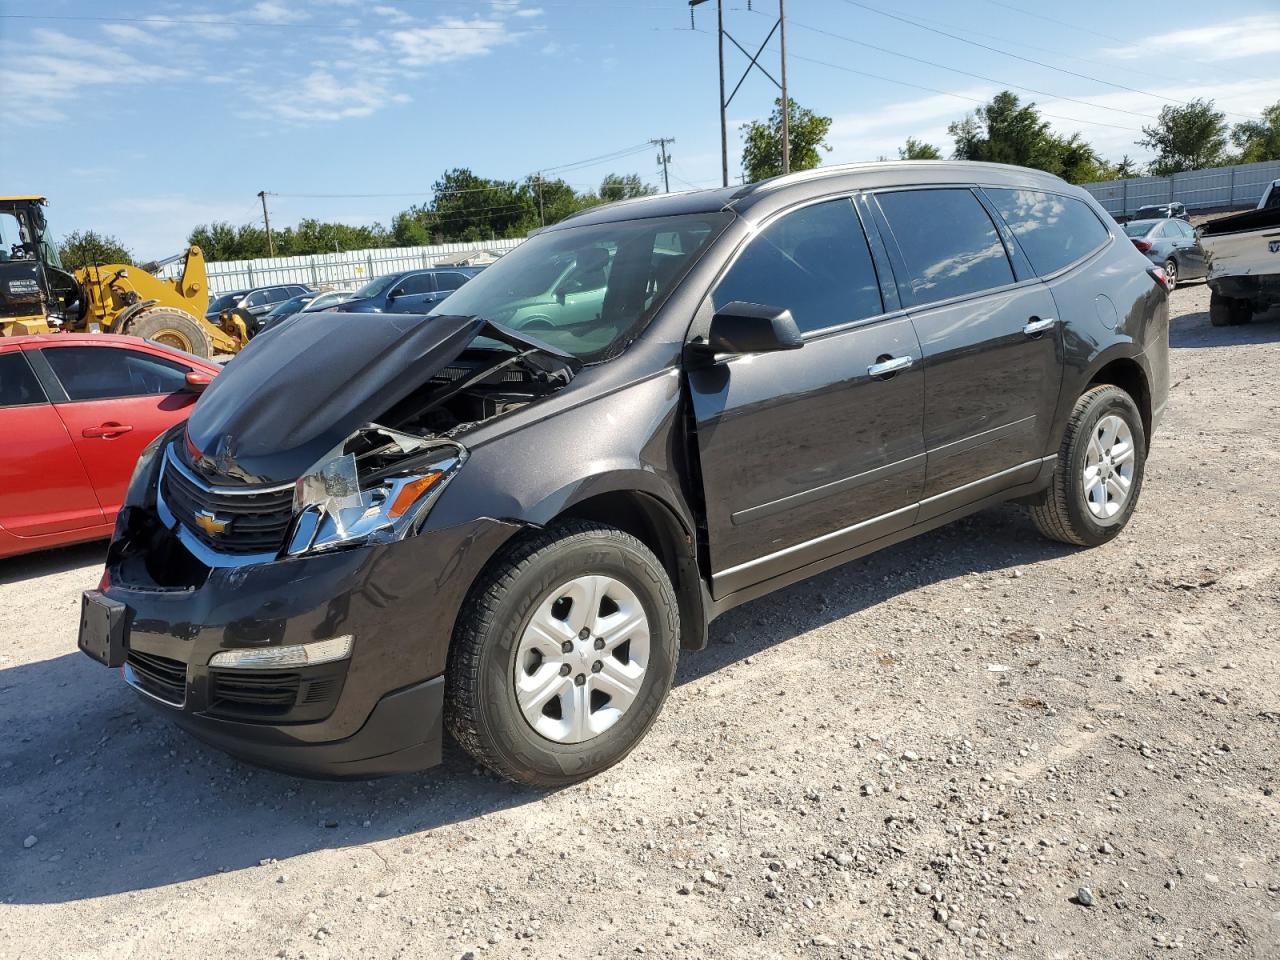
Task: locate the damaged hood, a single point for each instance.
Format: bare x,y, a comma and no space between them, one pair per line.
302,387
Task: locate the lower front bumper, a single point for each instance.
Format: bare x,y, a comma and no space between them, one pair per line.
402,734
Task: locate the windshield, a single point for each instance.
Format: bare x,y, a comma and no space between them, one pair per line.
1138,228
224,302
375,286
587,290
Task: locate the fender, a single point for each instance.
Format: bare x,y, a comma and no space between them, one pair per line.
130,313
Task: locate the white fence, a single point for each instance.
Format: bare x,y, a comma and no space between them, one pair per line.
1241,185
350,268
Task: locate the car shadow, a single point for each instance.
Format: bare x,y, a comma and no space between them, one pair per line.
42,563
1194,330
119,799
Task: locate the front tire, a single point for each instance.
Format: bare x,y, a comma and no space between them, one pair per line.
174,328
1101,464
563,655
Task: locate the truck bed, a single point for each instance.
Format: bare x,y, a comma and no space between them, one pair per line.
1244,245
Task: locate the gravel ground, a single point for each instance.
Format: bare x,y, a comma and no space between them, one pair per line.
973,744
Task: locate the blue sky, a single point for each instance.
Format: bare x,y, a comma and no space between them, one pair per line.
141,126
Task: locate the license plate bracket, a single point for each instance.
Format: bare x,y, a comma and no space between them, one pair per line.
104,627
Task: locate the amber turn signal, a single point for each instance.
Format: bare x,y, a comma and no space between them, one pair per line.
410,493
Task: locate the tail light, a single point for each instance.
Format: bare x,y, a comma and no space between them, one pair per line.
1142,245
1157,274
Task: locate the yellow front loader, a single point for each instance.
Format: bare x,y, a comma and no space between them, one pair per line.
38,296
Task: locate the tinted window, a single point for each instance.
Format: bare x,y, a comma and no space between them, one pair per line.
278,295
449,281
18,385
1052,230
414,283
1273,200
949,243
255,299
814,262
102,373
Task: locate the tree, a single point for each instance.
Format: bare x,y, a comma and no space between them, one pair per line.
1190,137
468,207
918,150
1008,131
762,150
1124,169
1259,140
623,187
83,248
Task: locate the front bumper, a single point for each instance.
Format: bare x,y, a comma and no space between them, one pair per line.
377,712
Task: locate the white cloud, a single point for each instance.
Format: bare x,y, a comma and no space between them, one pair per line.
1232,40
53,69
322,96
451,38
128,33
392,14
869,134
273,12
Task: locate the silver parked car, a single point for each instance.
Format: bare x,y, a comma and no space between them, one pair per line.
1170,244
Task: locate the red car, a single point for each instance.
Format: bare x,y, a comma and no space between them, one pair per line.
75,413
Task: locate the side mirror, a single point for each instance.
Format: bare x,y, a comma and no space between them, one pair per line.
197,381
740,327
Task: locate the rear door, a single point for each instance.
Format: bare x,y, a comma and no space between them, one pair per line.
1189,249
118,399
990,338
807,453
447,282
43,485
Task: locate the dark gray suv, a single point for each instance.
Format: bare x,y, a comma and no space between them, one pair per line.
509,522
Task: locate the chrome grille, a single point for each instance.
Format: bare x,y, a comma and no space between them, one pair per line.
254,520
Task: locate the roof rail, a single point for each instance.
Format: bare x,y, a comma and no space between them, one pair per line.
801,176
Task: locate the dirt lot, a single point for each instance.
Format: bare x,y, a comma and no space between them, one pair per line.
923,754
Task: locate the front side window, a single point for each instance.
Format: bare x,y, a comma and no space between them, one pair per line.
949,243
256,299
416,283
587,290
814,262
106,373
18,385
1052,230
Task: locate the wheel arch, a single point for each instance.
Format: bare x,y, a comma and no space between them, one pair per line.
1127,373
660,527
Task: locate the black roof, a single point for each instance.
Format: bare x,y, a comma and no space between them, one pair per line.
766,195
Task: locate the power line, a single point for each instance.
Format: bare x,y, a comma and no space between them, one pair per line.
944,93
1017,56
967,73
1095,33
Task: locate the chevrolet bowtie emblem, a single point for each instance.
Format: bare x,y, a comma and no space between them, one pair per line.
211,523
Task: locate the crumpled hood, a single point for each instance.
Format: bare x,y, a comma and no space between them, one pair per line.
305,385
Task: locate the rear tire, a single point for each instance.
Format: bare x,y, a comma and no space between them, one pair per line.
1171,272
536,712
1229,311
174,328
1099,473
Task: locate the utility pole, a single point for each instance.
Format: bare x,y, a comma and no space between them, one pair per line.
779,27
542,214
786,105
664,158
266,218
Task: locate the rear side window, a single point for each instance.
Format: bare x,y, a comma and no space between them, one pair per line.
18,385
450,281
1053,230
106,373
813,262
949,243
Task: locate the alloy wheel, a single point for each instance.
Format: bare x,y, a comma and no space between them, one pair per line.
581,660
1108,467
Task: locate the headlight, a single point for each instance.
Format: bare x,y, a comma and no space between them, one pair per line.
334,505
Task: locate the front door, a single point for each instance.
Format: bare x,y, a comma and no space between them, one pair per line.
807,453
43,485
119,400
991,344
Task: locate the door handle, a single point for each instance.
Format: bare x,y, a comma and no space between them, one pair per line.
106,430
1035,326
889,366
